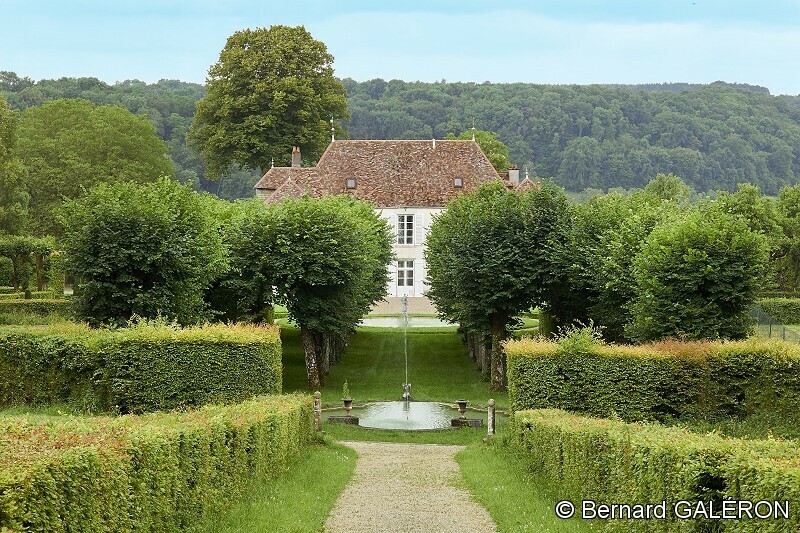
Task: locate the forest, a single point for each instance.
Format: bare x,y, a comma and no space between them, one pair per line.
584,137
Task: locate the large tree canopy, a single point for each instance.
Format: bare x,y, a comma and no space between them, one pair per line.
13,196
489,258
271,89
70,145
492,146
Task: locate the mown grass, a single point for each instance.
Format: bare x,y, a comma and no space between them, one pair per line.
373,364
516,500
299,500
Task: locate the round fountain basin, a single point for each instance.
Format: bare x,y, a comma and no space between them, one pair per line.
399,322
407,416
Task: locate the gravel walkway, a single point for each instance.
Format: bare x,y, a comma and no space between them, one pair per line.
405,488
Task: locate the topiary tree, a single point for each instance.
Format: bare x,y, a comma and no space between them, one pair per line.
489,258
143,250
697,278
324,258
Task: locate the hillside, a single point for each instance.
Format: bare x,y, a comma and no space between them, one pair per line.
594,136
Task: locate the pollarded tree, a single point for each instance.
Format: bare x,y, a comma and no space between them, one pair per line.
489,257
324,258
271,89
147,250
697,278
70,145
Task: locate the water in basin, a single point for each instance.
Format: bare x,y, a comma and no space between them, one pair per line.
398,322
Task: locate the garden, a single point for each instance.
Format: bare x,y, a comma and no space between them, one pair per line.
171,390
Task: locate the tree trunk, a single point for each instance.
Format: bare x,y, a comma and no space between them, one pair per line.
39,272
310,350
485,353
325,353
498,364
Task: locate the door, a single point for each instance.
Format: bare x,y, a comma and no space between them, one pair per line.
405,277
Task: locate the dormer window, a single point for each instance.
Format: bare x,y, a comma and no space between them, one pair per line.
351,184
458,183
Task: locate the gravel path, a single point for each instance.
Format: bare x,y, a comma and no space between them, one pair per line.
405,488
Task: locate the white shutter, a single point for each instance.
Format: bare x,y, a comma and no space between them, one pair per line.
419,229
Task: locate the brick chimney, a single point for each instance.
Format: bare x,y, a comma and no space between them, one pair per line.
295,156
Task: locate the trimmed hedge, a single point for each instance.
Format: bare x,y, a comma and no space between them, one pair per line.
780,294
12,296
784,310
158,472
670,379
60,307
7,290
611,461
142,368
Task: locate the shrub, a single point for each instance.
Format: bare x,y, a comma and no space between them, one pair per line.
670,379
611,461
55,273
6,272
145,250
145,367
697,279
158,472
12,296
60,307
785,310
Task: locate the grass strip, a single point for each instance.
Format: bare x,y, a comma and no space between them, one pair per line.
299,500
516,500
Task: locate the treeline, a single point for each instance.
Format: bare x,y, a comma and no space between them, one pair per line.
595,136
169,105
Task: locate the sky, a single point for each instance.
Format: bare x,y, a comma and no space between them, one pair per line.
536,41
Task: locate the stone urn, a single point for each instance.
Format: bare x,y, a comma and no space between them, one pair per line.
348,405
462,407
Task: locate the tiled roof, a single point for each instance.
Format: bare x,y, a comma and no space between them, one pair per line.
527,184
288,189
391,173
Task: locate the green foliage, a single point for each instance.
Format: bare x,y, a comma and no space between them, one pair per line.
13,196
325,259
39,307
144,367
55,273
712,136
611,461
490,144
785,310
158,472
6,272
143,250
697,278
271,89
70,145
26,254
489,258
698,381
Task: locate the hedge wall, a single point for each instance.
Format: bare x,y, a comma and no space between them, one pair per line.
60,307
159,472
143,368
12,296
780,294
701,380
615,462
784,310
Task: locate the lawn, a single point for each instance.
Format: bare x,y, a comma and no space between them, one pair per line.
373,364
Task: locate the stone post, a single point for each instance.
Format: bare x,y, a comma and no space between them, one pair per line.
490,421
317,411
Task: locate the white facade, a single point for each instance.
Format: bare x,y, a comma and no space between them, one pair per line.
410,228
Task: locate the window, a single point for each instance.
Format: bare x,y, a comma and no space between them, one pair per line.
351,184
457,182
405,273
405,229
